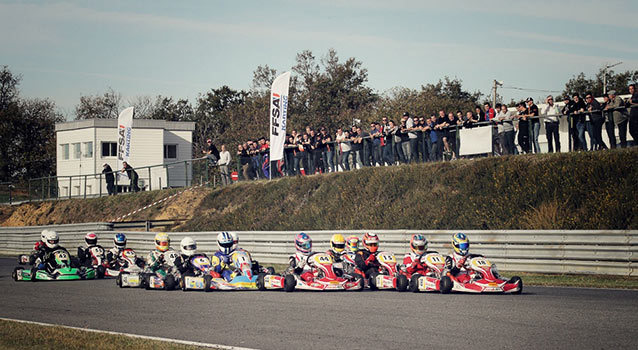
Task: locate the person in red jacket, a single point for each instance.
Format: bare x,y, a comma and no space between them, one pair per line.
366,259
412,260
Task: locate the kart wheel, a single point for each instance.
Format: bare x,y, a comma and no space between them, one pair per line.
100,271
118,280
15,273
182,283
169,282
271,270
147,282
372,280
207,281
290,283
261,285
520,281
445,284
414,283
402,283
358,277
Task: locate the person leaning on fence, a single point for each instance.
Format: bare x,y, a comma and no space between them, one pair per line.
551,113
633,113
523,128
132,175
610,127
506,129
224,162
211,152
110,179
580,119
616,106
532,111
596,119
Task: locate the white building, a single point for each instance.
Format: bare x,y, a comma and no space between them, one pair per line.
84,146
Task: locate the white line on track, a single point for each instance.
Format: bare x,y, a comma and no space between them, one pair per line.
176,341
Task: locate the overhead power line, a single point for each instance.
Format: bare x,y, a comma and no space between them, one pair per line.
526,89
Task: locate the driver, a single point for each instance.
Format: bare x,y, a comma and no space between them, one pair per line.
337,251
188,250
38,246
221,260
299,262
44,259
119,244
156,258
456,261
84,254
412,260
366,258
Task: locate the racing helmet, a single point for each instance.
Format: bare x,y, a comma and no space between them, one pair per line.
353,243
90,239
235,240
303,243
461,244
43,235
337,243
371,242
162,242
120,241
418,244
225,242
188,246
51,239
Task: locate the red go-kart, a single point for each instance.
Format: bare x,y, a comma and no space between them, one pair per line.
432,276
481,276
388,275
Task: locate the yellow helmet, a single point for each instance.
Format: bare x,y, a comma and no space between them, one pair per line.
338,243
353,243
162,242
461,244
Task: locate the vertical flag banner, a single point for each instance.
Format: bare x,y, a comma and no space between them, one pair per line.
124,131
278,115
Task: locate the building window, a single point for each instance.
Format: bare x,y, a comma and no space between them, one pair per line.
65,151
109,149
170,151
88,149
77,151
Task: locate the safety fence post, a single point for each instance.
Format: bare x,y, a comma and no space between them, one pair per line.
85,176
185,173
150,181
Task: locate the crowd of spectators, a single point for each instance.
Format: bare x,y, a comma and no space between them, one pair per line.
432,138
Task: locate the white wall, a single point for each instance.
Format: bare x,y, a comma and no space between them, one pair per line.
183,139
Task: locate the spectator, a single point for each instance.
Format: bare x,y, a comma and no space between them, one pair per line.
532,111
523,128
301,154
422,145
289,154
405,138
375,144
328,148
470,119
609,122
569,109
596,120
633,113
479,114
440,132
224,162
579,115
110,179
343,142
412,138
433,133
506,129
551,113
449,138
616,106
132,175
315,152
490,113
245,161
387,151
211,153
396,140
365,141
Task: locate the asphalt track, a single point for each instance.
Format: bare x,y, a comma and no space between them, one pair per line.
569,318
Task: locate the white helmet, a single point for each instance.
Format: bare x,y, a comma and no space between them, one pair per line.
235,240
51,239
43,236
188,246
226,242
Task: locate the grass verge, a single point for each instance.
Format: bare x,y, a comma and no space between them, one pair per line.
568,280
18,335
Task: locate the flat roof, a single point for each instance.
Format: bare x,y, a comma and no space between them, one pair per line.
137,123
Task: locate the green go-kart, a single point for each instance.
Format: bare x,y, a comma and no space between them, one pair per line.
61,271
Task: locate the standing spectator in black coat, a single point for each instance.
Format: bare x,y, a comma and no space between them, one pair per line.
633,113
110,179
597,120
132,175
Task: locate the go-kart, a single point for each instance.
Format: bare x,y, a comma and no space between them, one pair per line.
432,277
98,261
388,275
201,277
61,270
165,277
481,276
324,277
129,273
243,276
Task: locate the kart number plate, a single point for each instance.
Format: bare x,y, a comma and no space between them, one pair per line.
195,282
273,282
435,259
384,282
386,258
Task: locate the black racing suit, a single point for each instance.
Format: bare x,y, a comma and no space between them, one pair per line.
366,261
184,264
84,255
45,260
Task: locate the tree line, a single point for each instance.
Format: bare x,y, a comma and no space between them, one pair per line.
325,91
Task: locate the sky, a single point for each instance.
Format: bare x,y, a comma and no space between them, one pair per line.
68,49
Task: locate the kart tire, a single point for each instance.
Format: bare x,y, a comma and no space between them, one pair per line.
100,271
182,283
358,277
261,285
147,282
271,270
15,272
402,283
372,280
290,282
414,283
207,281
169,283
520,281
445,284
118,280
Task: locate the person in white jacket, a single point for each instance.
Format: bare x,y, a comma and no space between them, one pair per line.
224,162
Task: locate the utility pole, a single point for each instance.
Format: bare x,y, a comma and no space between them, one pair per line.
496,85
605,75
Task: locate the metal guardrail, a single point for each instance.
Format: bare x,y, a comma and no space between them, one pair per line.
605,252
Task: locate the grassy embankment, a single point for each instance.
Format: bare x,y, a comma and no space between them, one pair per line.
18,335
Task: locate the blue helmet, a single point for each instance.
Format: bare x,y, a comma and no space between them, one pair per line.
226,242
120,240
303,243
461,244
